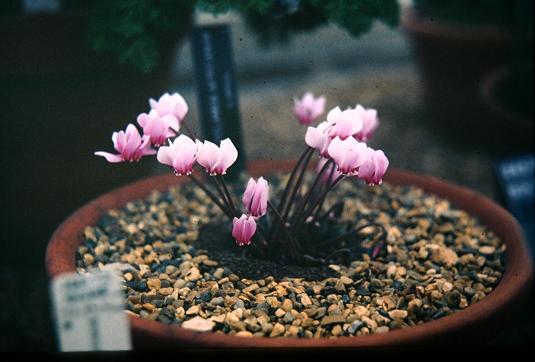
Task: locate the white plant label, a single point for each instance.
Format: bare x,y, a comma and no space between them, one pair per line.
89,312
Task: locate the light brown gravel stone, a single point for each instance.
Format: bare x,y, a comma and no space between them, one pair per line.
198,324
165,291
287,305
369,322
192,274
333,319
444,255
245,334
337,330
487,250
398,314
278,329
192,310
382,329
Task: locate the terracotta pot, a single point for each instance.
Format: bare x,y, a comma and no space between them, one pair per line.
518,125
452,60
477,323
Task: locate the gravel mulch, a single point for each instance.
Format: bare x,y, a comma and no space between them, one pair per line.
180,266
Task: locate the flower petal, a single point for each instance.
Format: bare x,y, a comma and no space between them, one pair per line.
110,157
229,154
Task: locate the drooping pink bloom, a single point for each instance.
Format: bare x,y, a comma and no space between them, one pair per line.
180,154
158,128
369,123
216,160
243,229
344,123
308,108
255,197
170,105
318,138
330,174
349,154
374,167
130,145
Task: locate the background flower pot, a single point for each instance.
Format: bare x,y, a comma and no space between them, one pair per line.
479,323
497,92
452,60
59,97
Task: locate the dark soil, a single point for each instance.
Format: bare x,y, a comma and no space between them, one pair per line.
223,249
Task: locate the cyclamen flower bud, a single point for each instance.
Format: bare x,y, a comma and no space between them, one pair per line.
130,145
255,197
307,109
243,229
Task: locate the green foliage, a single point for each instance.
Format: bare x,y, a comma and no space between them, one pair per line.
358,16
277,20
137,30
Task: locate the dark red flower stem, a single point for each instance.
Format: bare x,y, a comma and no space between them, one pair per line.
227,193
285,204
292,176
279,218
222,195
322,200
291,242
304,215
298,215
297,185
211,195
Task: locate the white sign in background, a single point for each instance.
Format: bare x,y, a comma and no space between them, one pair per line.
89,312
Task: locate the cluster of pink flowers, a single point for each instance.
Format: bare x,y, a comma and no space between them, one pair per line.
342,138
161,123
340,141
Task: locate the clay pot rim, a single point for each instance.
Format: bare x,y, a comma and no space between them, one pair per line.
487,92
412,22
516,279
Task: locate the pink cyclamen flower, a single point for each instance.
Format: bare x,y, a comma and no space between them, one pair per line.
158,128
349,154
370,122
374,167
130,145
318,138
308,108
243,229
255,197
344,123
180,154
330,174
216,160
170,105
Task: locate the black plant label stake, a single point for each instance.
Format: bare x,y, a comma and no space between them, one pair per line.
217,88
